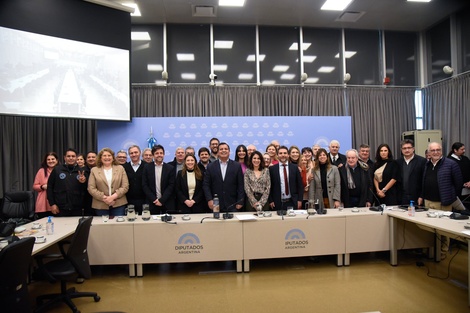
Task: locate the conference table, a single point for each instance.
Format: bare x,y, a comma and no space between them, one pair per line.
436,226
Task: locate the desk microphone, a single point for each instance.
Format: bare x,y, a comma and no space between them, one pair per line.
379,207
227,215
167,218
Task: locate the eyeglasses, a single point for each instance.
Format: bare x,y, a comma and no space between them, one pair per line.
435,150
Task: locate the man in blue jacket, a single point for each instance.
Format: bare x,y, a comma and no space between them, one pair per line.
442,182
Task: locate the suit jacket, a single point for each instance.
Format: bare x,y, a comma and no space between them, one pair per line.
98,187
230,190
296,187
167,184
366,187
182,194
341,159
415,179
333,184
135,181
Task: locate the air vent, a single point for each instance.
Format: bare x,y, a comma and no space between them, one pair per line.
350,16
204,11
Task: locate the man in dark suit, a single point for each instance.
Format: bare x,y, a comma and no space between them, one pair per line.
336,158
356,184
204,159
134,170
224,178
282,174
411,167
158,182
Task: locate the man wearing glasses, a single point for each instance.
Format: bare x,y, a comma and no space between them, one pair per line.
411,168
441,184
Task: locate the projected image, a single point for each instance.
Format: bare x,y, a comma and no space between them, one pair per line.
48,76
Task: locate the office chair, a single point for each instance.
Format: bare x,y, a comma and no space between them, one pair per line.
74,262
15,259
18,206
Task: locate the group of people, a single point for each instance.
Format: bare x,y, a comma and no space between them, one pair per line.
104,183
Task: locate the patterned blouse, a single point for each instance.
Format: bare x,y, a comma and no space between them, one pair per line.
261,185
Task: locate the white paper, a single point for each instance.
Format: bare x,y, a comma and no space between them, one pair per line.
246,217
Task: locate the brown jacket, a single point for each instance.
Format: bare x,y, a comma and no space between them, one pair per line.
98,186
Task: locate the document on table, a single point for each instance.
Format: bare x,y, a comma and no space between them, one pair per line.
246,217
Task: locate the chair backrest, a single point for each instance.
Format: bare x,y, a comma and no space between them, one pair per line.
77,252
14,263
18,204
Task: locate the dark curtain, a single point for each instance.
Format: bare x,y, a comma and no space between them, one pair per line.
25,141
447,107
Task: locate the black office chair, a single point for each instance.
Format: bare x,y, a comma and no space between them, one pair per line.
14,269
18,207
74,262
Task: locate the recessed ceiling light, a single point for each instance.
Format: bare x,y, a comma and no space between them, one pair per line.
309,58
245,76
188,76
280,68
268,82
140,36
223,44
336,5
295,46
326,69
286,76
220,67
231,3
185,56
252,57
134,6
154,67
347,54
312,80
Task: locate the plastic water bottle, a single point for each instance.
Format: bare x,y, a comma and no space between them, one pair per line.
50,226
411,209
216,207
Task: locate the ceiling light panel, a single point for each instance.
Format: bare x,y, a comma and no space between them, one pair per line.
245,76
223,44
185,56
347,54
309,58
280,68
140,36
154,67
286,76
336,5
188,76
295,46
231,3
326,69
220,67
252,57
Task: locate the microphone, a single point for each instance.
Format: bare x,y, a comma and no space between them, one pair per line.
227,215
377,208
167,218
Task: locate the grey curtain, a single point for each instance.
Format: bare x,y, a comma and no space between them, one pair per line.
447,107
25,141
380,115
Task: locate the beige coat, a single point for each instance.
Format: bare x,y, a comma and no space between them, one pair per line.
98,187
333,184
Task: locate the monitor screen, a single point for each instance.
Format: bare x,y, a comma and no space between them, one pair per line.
49,76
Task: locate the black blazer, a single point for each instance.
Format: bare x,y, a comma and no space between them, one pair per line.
182,194
135,181
415,179
341,159
366,187
167,186
230,191
296,188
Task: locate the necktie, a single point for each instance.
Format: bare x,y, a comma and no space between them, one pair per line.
286,181
334,159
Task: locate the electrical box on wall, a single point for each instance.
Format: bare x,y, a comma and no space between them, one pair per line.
422,138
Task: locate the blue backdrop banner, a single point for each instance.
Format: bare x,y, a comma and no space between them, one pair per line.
173,132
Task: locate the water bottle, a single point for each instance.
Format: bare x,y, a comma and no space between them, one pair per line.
411,209
50,226
216,207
